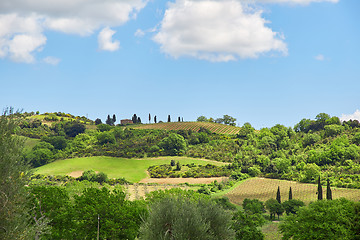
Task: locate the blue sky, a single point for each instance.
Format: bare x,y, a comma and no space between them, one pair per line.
260,61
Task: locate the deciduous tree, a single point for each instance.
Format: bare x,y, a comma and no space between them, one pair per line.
15,220
321,220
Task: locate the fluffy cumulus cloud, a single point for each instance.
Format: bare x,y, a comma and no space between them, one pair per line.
353,116
216,31
105,40
23,22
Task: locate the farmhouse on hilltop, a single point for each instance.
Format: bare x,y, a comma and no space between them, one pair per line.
126,121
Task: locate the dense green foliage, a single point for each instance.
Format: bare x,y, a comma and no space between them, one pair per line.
15,215
178,218
189,170
335,219
324,146
80,218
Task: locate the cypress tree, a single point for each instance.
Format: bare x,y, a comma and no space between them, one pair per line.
114,118
178,119
328,191
319,192
149,118
169,120
139,120
290,194
182,119
278,197
134,118
109,121
155,119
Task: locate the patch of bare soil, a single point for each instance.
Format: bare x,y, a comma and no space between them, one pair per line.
77,174
183,180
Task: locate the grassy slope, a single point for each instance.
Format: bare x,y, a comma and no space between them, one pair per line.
264,189
29,143
131,169
195,126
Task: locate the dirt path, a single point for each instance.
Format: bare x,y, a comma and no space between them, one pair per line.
183,180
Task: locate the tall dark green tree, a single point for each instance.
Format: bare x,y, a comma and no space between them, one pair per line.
178,119
278,196
98,121
155,120
169,119
290,194
114,119
109,120
149,118
319,191
328,190
134,118
15,220
74,128
139,120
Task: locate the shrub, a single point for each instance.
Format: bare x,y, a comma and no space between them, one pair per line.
105,137
175,218
101,177
89,175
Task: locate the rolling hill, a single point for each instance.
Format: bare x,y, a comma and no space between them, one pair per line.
194,126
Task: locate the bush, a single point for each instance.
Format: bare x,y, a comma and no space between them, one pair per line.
101,177
89,175
174,144
103,127
175,218
254,171
105,137
333,130
40,157
292,206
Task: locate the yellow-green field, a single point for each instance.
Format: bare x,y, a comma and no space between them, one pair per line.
264,189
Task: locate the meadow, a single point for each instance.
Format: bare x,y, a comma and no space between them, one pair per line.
132,170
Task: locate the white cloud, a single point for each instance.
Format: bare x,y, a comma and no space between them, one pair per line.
24,19
139,33
320,57
299,2
354,116
216,31
20,36
105,40
52,60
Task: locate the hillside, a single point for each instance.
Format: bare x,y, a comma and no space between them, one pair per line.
194,126
265,188
133,170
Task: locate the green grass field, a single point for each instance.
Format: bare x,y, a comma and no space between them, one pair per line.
131,169
29,143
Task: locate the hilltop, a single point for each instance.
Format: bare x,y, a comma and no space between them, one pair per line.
194,126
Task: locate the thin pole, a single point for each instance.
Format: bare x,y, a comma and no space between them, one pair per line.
98,227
